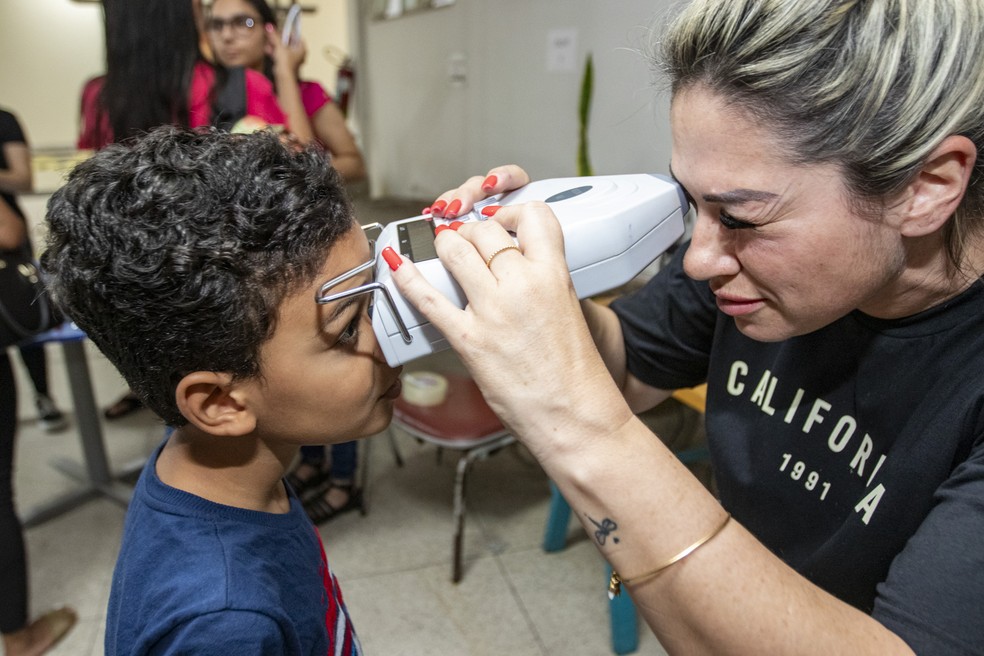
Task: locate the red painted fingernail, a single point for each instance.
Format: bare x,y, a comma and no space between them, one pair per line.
438,206
452,210
489,183
454,225
392,259
439,229
489,210
426,210
268,27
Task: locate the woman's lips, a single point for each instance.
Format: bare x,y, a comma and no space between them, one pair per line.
735,307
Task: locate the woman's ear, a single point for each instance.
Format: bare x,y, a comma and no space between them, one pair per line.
939,186
214,404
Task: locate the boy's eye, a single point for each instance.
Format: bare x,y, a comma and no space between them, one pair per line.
351,333
731,223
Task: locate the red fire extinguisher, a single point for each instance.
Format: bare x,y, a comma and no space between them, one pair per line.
344,85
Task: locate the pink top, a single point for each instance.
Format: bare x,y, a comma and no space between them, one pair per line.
313,96
261,102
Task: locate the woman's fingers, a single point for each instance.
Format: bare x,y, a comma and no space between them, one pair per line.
536,229
456,202
504,178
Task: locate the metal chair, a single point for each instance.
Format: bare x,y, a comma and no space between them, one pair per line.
463,422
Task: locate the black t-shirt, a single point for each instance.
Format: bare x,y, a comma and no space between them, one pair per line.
854,453
10,132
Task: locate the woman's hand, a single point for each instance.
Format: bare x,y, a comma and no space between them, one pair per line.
287,58
452,204
522,334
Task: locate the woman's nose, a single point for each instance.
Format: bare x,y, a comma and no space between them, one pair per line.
711,253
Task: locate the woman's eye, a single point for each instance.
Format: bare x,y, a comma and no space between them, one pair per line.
731,223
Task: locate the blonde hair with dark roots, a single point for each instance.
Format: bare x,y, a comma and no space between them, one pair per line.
872,86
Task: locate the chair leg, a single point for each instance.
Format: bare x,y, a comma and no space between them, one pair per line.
458,516
364,450
622,612
555,535
464,463
396,449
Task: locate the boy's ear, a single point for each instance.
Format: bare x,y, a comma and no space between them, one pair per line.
211,402
939,186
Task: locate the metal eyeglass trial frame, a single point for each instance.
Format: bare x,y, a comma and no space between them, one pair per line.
323,298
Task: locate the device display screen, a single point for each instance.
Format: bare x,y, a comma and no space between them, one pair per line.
417,240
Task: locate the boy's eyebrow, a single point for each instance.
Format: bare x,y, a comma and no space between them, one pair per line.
340,307
733,197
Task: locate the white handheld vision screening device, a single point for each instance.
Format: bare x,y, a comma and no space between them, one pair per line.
614,227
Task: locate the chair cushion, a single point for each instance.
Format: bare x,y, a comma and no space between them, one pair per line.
463,416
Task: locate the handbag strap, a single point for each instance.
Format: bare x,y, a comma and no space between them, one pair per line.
27,270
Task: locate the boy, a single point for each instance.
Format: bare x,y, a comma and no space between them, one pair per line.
193,260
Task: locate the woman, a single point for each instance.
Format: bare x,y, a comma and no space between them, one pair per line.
156,75
16,176
243,33
19,637
831,297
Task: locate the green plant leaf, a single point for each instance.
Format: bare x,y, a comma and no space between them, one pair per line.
584,115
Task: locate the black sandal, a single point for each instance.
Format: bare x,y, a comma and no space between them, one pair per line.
302,486
320,511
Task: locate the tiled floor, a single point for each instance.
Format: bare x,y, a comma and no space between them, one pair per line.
393,563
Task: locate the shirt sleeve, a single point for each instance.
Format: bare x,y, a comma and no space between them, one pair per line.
93,121
10,129
668,328
313,97
934,592
240,632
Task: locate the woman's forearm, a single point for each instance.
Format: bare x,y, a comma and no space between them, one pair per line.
730,595
18,177
12,228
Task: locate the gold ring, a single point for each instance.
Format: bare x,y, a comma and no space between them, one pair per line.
511,247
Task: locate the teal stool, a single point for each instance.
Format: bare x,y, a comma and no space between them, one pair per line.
622,612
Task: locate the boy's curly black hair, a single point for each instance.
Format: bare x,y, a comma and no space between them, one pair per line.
174,251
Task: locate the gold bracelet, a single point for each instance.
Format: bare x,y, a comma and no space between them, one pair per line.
615,583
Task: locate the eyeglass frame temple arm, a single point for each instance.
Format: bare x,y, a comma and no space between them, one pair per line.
321,299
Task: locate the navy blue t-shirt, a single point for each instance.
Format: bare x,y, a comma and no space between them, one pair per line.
197,577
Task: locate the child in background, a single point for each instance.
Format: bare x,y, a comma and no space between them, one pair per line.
193,261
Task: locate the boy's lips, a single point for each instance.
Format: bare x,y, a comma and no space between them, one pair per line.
394,390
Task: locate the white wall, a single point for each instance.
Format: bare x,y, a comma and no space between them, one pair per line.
49,48
422,132
425,132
